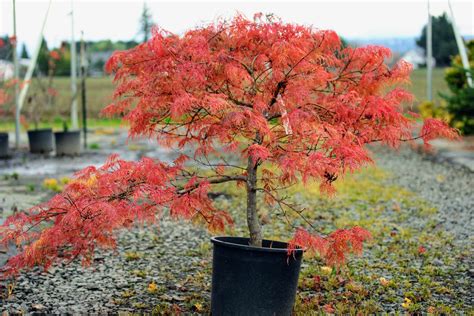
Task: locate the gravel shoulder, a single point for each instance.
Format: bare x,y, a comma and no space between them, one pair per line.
446,185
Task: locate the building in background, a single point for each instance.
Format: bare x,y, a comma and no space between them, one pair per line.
417,58
7,70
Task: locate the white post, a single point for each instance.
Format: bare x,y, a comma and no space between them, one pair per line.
83,89
74,117
31,66
17,84
429,57
461,47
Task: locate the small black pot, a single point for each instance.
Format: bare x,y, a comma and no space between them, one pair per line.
41,141
251,281
68,143
3,145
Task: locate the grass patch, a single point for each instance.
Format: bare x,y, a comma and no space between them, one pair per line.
418,86
57,126
132,256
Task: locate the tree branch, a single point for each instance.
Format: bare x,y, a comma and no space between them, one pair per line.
223,179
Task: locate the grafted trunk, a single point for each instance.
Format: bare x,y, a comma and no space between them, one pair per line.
253,222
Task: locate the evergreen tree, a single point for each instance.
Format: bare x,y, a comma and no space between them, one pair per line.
460,103
24,52
43,57
444,43
146,23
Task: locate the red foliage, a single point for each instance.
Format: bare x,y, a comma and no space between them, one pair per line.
98,202
334,247
433,128
421,250
3,96
285,95
54,55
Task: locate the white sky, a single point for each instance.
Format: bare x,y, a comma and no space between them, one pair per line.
116,20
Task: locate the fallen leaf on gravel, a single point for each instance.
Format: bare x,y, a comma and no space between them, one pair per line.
152,287
440,178
384,282
198,307
407,303
421,250
329,309
431,310
326,270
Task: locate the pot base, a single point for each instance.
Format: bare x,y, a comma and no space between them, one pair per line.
3,145
249,280
68,143
41,141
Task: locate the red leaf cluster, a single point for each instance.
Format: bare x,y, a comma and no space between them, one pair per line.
313,102
335,247
3,97
433,128
96,203
54,54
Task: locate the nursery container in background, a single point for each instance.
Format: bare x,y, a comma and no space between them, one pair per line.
3,145
68,143
41,141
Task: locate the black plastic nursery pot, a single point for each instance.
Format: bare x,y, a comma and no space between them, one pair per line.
248,280
41,141
3,145
68,143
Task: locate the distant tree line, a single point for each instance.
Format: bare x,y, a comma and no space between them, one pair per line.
63,65
97,51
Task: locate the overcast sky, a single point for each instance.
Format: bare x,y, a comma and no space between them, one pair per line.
116,20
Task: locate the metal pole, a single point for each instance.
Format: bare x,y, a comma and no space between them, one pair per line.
429,58
83,90
74,118
461,47
17,84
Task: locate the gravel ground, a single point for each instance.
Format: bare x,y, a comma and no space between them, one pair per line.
447,186
120,281
146,274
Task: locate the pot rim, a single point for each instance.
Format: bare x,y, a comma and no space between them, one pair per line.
40,130
217,240
68,132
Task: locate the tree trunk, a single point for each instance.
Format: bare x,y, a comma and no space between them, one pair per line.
253,223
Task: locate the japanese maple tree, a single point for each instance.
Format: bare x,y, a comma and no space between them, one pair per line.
259,102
